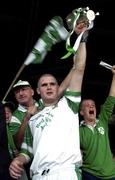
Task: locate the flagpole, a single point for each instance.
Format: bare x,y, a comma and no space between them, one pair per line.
14,80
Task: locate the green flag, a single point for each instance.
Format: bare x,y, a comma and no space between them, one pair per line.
53,33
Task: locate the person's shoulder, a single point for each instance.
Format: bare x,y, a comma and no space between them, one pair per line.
68,92
19,111
14,119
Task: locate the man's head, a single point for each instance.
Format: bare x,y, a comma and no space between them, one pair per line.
9,108
48,89
23,92
88,110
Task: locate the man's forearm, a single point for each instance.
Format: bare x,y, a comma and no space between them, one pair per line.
80,57
112,89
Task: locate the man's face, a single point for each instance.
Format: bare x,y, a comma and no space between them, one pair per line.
48,89
24,94
88,110
8,114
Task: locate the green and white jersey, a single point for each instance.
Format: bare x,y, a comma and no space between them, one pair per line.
94,142
55,131
17,118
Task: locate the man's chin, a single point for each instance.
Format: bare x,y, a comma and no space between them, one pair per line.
92,117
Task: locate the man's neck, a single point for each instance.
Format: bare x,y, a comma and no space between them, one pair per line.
90,122
29,104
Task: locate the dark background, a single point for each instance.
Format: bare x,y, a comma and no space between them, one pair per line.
22,23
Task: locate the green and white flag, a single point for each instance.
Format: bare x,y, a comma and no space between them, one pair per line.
53,33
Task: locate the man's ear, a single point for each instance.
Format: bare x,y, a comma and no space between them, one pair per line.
81,113
32,92
37,89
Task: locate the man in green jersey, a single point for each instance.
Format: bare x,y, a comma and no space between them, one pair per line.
94,141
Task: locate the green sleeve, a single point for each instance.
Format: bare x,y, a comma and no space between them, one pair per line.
73,99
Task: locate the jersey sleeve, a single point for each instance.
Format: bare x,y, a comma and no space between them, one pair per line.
107,109
26,147
73,99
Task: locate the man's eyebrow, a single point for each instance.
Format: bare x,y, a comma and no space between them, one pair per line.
44,84
51,83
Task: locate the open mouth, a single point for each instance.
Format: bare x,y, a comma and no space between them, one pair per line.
49,93
91,112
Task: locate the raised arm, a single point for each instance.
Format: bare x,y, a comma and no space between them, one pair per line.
73,80
112,88
77,71
79,67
